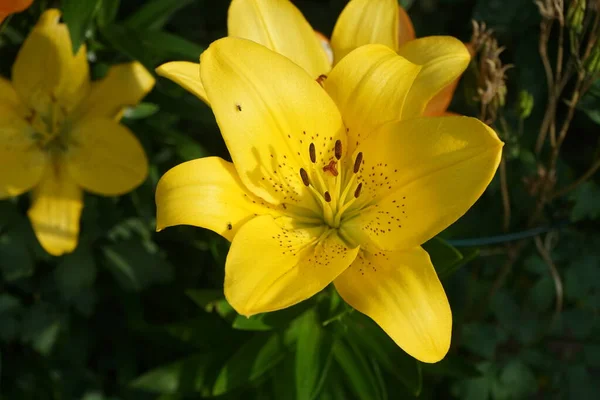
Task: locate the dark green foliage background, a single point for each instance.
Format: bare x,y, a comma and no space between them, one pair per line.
134,315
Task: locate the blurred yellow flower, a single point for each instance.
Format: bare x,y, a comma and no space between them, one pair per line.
321,190
59,133
280,26
8,7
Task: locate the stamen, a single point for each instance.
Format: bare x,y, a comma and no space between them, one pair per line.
327,197
357,162
312,152
357,191
304,176
338,149
321,79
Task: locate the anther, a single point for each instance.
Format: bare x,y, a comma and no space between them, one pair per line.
304,177
327,196
338,149
321,79
357,191
357,162
312,152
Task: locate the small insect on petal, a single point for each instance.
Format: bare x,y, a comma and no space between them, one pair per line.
321,79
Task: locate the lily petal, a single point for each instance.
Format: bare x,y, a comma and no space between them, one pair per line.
420,176
46,69
55,211
269,111
9,97
443,58
438,105
22,162
402,293
406,30
364,22
13,6
370,86
105,157
187,75
280,26
269,268
125,85
207,193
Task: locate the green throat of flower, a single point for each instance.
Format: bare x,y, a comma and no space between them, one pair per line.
335,186
49,123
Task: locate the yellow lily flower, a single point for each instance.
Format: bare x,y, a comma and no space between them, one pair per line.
280,26
8,7
59,133
321,191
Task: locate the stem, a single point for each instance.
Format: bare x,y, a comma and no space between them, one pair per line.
505,194
558,286
586,175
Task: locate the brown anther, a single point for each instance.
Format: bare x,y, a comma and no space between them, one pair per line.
321,79
338,149
332,168
304,176
327,196
312,152
358,162
357,191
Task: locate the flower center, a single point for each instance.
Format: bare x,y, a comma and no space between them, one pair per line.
49,120
334,186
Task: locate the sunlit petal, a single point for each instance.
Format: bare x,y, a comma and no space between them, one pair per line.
46,69
269,111
186,74
125,85
443,58
370,86
269,268
420,176
402,293
364,22
104,157
280,26
56,205
21,161
207,193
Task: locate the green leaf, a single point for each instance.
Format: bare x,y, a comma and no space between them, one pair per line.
40,327
153,15
452,366
357,369
166,44
250,362
141,111
76,272
107,12
188,375
271,320
135,266
313,356
586,201
16,261
516,381
378,344
78,15
446,258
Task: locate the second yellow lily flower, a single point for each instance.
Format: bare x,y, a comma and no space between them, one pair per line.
281,27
